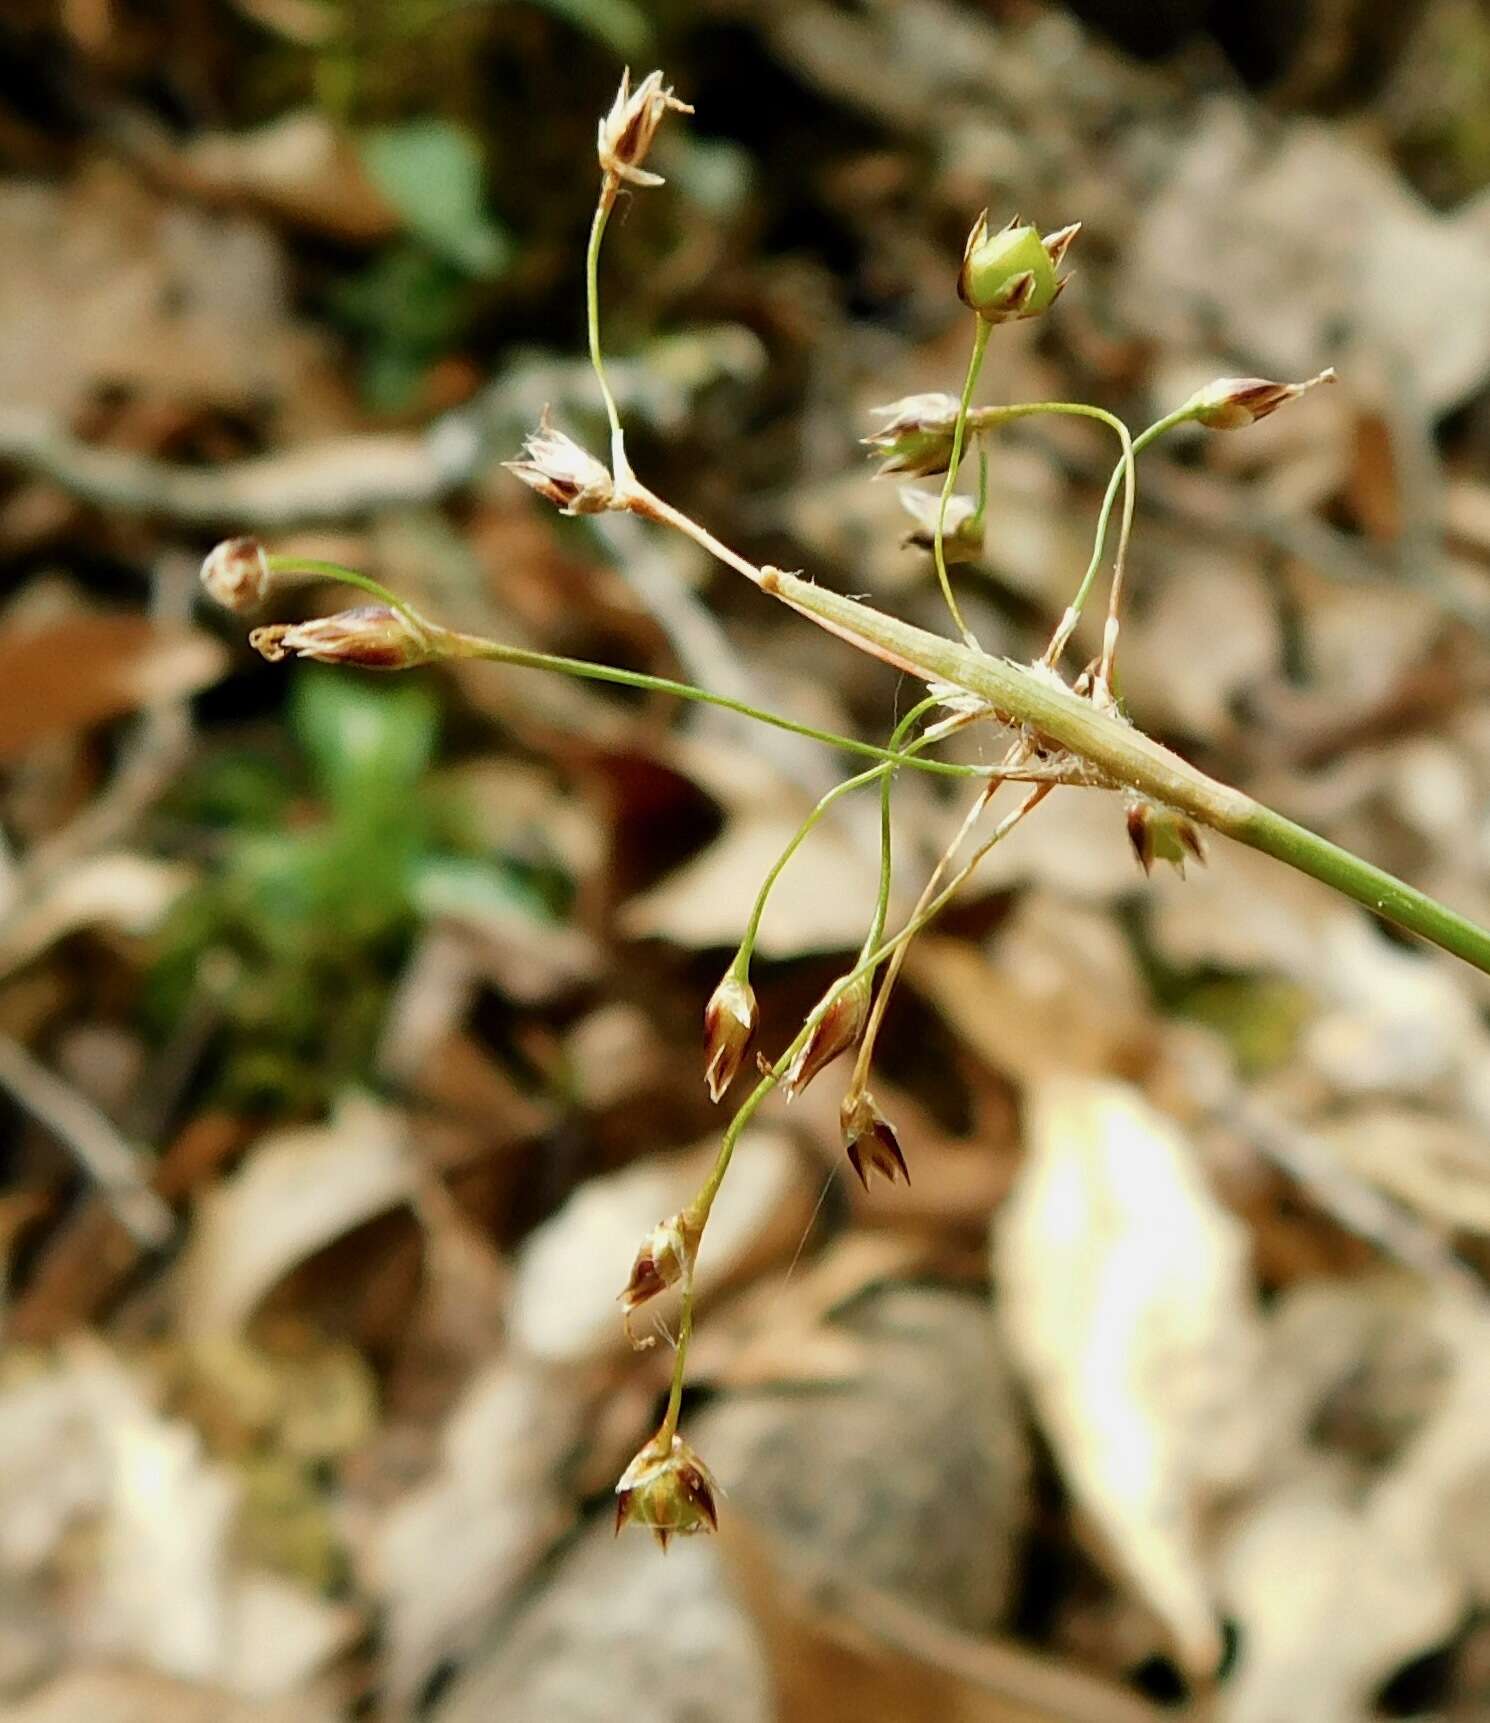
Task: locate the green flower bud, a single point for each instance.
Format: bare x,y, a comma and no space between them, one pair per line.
1158,833
1012,274
916,436
667,1489
869,1140
1234,403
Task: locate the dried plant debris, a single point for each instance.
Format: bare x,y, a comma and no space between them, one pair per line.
372,1038
1124,1292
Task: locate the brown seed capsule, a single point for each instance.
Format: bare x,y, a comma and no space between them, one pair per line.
1233,403
665,1257
1011,274
1158,833
870,1141
668,1489
962,529
916,436
556,467
730,1020
627,131
838,1029
236,575
371,636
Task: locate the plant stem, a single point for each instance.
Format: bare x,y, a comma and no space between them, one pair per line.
620,466
884,771
699,1209
959,431
315,569
497,652
1128,758
1391,898
1068,622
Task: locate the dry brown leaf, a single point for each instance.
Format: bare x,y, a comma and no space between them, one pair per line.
1075,846
130,893
853,1653
1127,1301
87,668
1058,991
54,1463
572,1268
1272,245
297,1191
451,1552
822,902
106,286
299,167
131,1696
1330,1600
1334,1589
1438,1166
1209,633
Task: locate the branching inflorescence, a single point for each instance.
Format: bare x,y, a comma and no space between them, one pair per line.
1063,732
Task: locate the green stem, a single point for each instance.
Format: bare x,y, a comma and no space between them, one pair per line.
752,927
938,549
497,652
1139,443
986,418
1128,758
1391,898
620,466
316,569
699,1209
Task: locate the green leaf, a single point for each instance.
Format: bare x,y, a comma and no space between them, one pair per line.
368,745
475,890
431,172
618,23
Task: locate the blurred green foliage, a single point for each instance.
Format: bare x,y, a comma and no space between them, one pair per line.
293,940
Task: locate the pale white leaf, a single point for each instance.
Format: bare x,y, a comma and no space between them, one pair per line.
1125,1294
448,1555
571,1269
299,1190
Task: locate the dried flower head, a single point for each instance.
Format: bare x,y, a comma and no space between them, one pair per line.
1012,273
627,131
730,1020
236,575
374,636
870,1141
665,1257
916,436
1164,834
962,529
1233,403
668,1489
556,467
838,1029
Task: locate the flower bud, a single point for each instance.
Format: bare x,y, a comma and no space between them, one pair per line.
236,574
626,132
838,1029
870,1140
1233,403
372,636
1158,833
558,468
668,1489
916,437
665,1257
730,1020
1012,273
962,529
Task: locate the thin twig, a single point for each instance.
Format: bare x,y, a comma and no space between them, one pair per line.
99,1148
